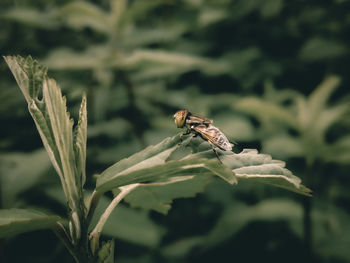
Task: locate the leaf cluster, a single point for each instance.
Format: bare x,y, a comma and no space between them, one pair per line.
152,171
139,62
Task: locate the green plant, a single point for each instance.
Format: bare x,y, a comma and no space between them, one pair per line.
297,126
150,179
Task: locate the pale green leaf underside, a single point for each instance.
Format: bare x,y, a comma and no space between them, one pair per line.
252,166
197,166
159,196
151,165
17,221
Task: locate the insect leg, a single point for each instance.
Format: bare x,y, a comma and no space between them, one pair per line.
188,131
216,153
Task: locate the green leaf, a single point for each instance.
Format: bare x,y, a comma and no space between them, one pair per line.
329,224
52,121
313,108
150,165
118,8
159,196
319,48
28,74
169,159
164,58
186,167
66,59
266,110
339,151
319,97
80,138
33,17
315,117
142,37
61,125
283,146
138,9
271,8
128,224
332,231
210,16
79,15
106,252
328,117
244,8
19,172
237,216
114,128
152,155
99,56
30,78
17,221
250,165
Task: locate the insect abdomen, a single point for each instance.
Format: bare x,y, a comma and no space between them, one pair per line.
221,140
214,136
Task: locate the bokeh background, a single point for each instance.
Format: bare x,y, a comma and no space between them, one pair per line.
273,74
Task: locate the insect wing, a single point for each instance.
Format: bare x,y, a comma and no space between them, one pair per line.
195,119
214,136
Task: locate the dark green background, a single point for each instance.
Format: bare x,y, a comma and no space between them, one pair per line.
207,56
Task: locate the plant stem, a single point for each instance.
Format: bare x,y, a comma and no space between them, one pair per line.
62,234
95,198
133,111
124,190
307,207
307,225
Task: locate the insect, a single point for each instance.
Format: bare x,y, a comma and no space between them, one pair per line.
203,127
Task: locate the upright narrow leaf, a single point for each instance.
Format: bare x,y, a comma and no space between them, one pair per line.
80,137
319,97
29,75
49,111
61,125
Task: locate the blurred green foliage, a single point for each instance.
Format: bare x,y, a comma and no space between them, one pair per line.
271,74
